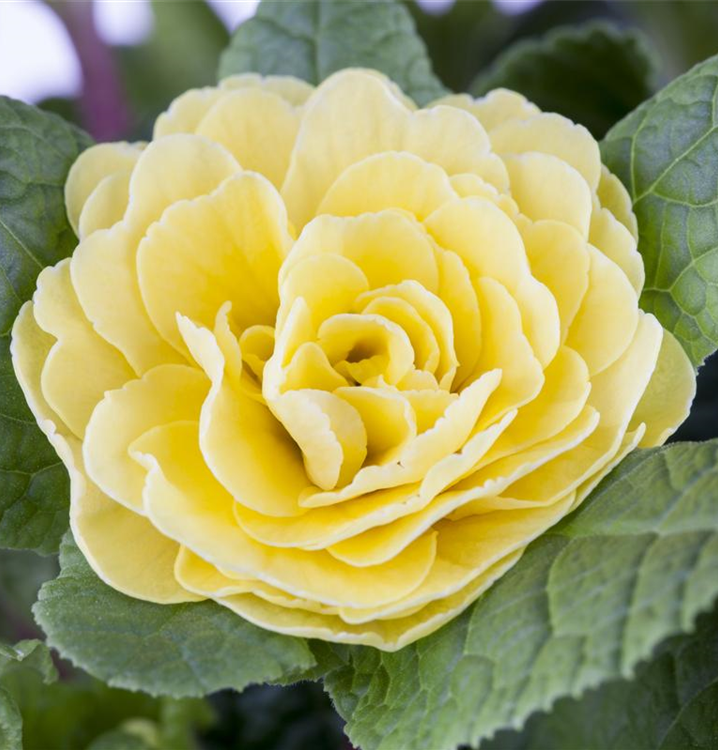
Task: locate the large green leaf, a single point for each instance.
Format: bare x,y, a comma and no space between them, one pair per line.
177,650
670,705
593,74
311,39
36,153
587,601
666,154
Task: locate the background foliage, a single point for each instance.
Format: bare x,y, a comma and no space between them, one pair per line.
594,61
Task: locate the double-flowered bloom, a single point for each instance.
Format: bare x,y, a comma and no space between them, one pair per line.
333,361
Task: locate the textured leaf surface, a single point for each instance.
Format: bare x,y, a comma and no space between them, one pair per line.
36,152
588,600
666,154
10,722
311,39
177,650
672,704
593,74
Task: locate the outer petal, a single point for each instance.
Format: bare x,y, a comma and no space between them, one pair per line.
330,139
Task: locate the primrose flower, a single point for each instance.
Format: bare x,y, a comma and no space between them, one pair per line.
332,360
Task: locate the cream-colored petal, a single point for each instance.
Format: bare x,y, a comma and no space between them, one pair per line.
457,293
123,548
490,245
388,635
187,504
667,400
257,126
328,430
328,283
106,204
389,247
291,89
388,180
494,108
544,187
225,246
388,419
560,260
561,400
164,394
505,348
446,436
241,440
29,348
549,133
186,112
617,243
330,141
607,318
81,366
614,196
92,166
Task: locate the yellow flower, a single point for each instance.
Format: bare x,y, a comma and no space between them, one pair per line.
333,361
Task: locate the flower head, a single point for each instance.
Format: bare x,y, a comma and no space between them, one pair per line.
333,360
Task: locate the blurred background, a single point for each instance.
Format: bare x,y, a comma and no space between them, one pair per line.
111,66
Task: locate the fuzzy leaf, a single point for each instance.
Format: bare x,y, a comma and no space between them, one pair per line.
593,74
311,39
666,154
36,152
178,650
587,601
670,705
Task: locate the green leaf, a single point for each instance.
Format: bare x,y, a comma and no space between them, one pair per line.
593,74
10,722
30,654
670,705
587,601
666,154
311,39
177,650
37,151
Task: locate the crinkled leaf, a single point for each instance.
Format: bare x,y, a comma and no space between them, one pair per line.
666,154
670,705
587,601
311,39
36,152
177,650
593,74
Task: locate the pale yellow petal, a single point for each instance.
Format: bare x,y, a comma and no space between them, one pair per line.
544,187
388,180
617,243
186,112
187,504
495,108
614,196
106,204
291,89
241,440
257,127
607,318
330,140
81,365
549,133
560,260
667,400
225,246
93,165
166,393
